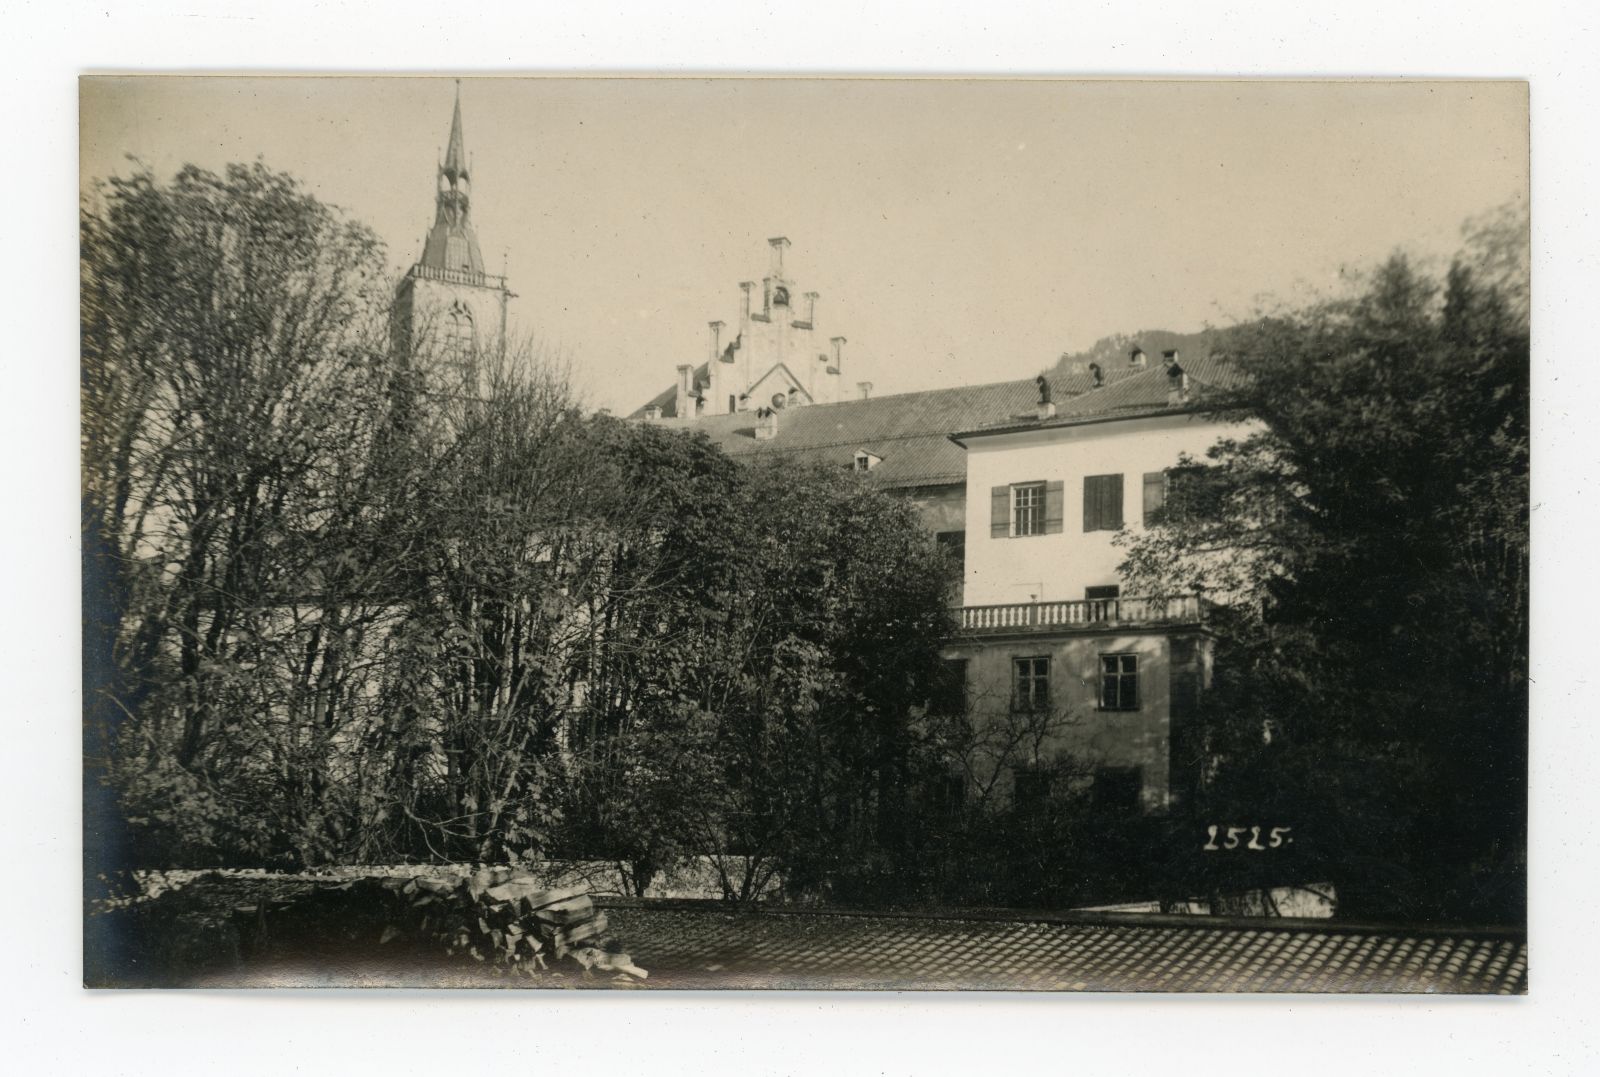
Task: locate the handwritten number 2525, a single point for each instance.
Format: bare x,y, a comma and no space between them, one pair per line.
1276,837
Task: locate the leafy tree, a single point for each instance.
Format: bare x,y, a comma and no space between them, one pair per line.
234,378
759,646
1370,544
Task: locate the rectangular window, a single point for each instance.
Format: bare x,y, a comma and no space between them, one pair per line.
1155,496
1030,689
1119,682
1102,502
1027,509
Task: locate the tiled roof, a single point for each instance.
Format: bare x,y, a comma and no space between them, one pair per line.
1141,394
908,431
911,431
708,946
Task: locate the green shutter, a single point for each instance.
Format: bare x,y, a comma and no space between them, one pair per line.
1091,503
1054,507
999,511
1113,514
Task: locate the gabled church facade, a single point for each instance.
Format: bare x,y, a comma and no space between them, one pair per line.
776,358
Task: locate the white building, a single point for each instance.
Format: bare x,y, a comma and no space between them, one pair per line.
1029,497
1045,626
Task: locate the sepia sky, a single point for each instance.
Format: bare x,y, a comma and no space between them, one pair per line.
958,231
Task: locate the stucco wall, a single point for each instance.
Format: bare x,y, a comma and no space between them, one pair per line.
1058,567
1091,737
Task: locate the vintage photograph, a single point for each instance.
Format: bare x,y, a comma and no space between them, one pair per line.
651,533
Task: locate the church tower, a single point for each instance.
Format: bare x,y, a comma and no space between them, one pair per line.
448,310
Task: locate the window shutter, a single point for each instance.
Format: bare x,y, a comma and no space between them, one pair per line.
999,512
1102,502
1155,493
1054,507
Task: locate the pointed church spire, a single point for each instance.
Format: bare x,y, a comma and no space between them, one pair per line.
452,244
455,158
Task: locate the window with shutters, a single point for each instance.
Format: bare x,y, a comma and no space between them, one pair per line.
1027,509
1030,684
1155,496
1119,682
1102,502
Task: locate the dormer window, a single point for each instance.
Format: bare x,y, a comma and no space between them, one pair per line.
780,296
866,461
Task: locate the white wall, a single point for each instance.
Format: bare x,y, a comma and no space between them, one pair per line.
1051,568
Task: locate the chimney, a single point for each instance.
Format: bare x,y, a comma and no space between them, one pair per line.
1176,386
1046,406
866,389
1177,380
811,308
777,243
1097,374
1136,357
838,354
744,329
716,341
683,408
766,424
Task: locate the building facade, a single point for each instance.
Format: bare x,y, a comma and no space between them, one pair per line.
1045,625
1026,483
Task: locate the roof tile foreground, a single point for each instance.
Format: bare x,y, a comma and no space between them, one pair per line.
712,947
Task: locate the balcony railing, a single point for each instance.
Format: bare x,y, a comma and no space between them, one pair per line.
456,276
1089,613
